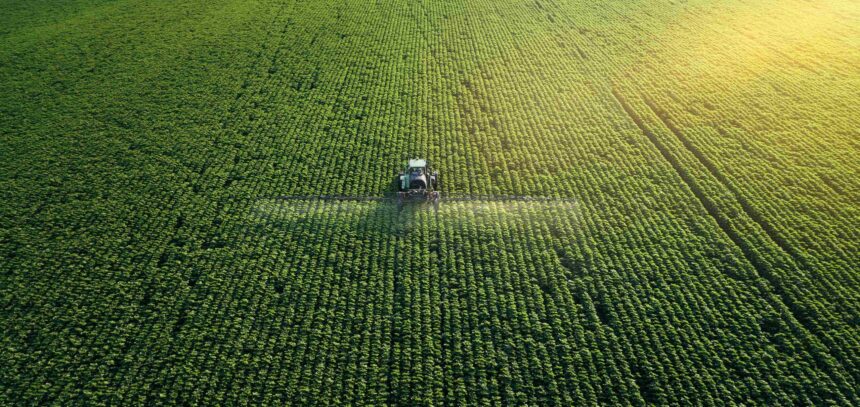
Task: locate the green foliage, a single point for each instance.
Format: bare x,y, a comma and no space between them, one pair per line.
702,248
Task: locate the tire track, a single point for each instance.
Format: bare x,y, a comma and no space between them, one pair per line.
749,252
745,205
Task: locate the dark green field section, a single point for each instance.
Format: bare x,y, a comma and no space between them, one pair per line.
696,243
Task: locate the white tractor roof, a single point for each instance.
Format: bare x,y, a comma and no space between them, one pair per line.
417,163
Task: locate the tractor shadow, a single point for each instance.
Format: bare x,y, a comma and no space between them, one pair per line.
383,216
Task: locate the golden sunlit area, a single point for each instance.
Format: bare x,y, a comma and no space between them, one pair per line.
506,202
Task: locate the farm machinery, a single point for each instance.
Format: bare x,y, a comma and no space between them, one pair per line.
418,183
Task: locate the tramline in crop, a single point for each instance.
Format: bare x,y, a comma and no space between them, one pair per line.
211,203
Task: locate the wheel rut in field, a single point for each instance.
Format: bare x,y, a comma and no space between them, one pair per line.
707,203
800,262
712,169
828,359
749,252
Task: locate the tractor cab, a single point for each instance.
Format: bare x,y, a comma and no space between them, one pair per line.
417,181
416,177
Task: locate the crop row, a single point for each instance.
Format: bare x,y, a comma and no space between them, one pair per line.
155,264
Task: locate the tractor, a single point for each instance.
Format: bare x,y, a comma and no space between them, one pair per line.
418,183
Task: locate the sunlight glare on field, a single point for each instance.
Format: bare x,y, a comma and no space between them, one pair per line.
761,39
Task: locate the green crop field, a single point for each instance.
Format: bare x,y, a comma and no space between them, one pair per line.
644,202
